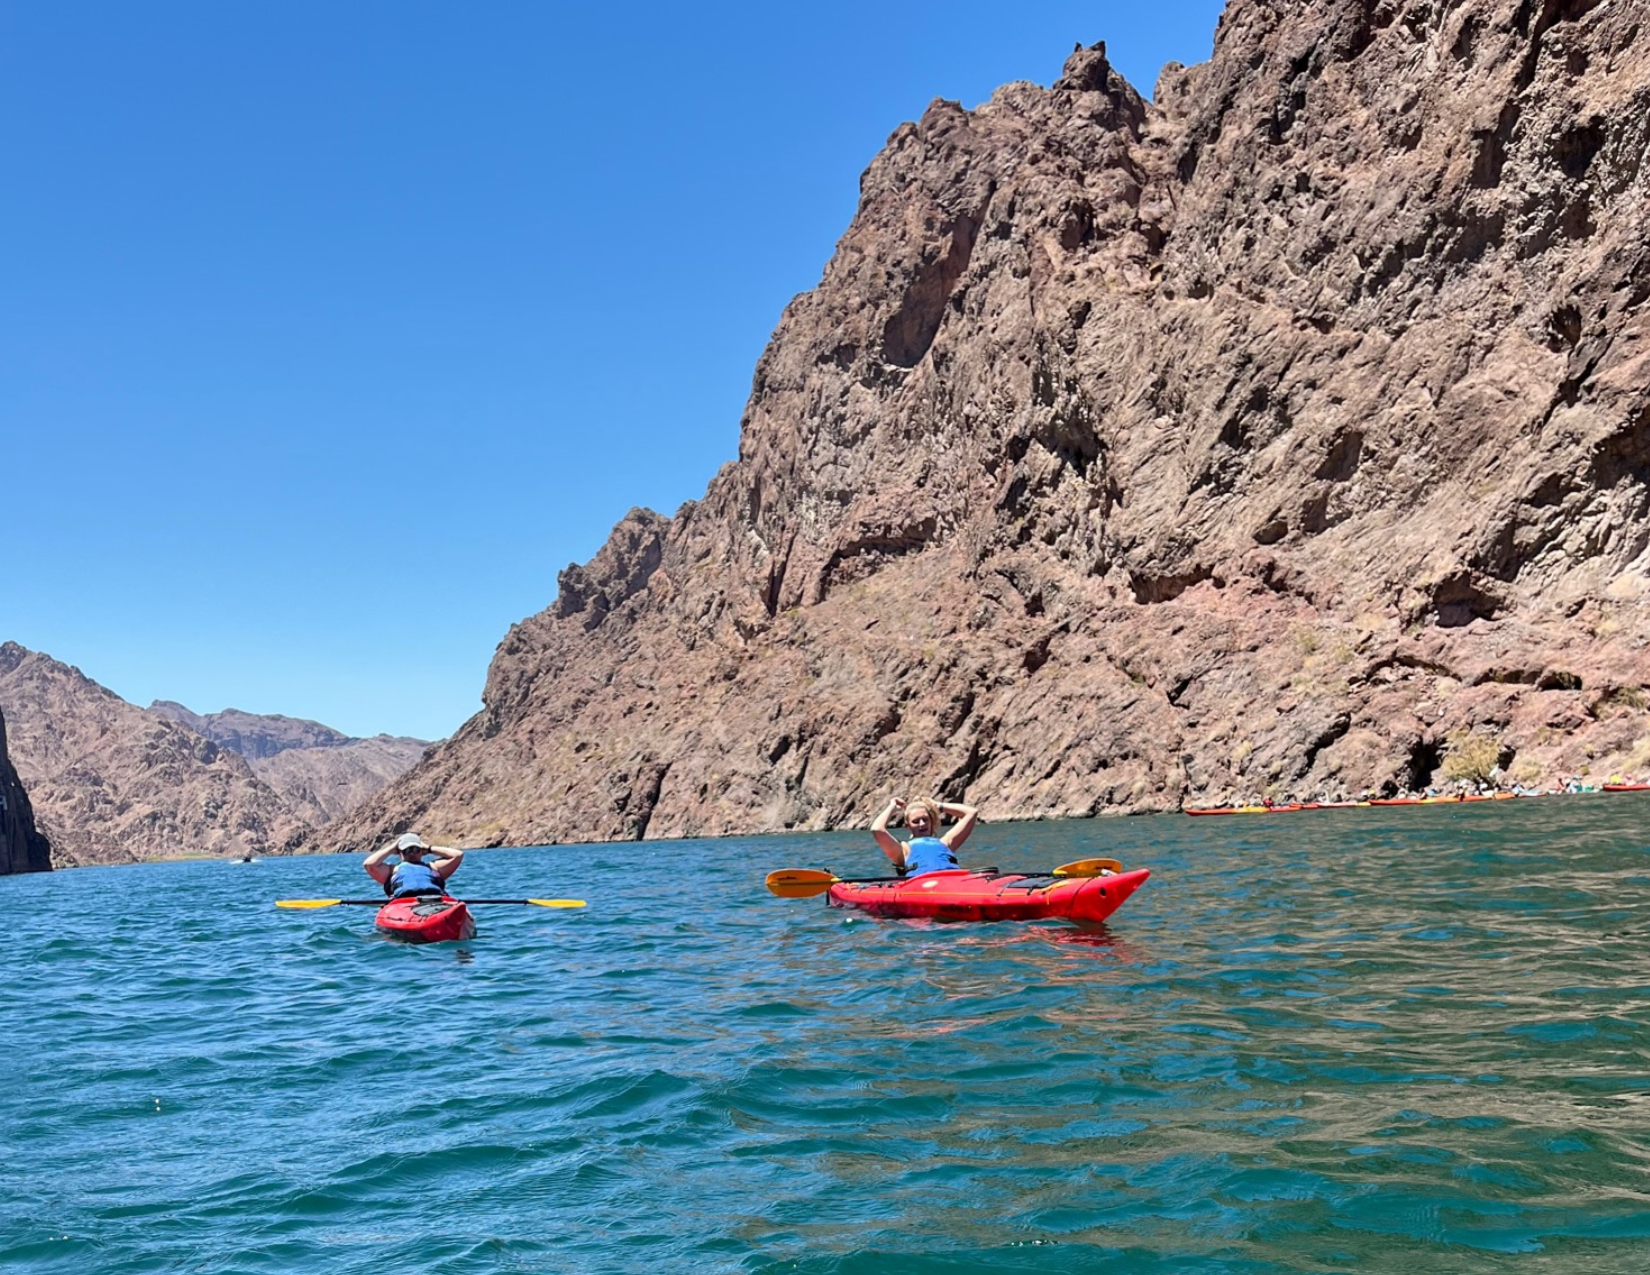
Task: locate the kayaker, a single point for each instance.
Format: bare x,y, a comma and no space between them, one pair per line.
926,851
412,876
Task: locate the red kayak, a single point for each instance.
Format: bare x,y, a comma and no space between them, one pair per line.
959,894
427,919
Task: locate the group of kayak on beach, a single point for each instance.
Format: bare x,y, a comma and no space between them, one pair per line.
1429,796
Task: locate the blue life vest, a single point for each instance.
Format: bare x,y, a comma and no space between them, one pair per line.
413,878
927,854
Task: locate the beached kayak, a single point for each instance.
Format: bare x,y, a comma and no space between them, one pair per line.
963,895
1276,809
426,919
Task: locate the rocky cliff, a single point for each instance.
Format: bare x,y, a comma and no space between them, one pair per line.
1273,435
22,847
112,782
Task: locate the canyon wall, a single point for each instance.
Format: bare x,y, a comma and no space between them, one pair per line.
1276,435
22,847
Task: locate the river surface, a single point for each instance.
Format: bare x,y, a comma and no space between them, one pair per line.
1407,1040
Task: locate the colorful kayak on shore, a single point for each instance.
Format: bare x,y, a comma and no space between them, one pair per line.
426,919
1279,809
961,894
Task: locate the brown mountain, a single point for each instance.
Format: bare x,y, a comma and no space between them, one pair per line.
255,736
112,782
1269,436
320,772
22,847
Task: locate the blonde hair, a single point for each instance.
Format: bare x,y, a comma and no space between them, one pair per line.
924,803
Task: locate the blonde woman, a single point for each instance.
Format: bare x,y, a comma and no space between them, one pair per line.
927,851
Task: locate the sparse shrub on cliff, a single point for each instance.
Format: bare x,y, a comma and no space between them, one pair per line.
1638,757
1470,756
1621,699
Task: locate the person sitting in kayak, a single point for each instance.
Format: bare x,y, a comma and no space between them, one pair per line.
925,852
412,876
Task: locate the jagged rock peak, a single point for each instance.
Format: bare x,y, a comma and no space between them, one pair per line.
1088,71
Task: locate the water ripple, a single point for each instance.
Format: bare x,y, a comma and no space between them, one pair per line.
1407,1040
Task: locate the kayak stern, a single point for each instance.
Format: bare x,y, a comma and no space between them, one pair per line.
426,919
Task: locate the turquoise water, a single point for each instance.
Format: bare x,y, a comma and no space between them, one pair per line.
1392,1040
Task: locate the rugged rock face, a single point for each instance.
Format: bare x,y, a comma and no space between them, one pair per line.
116,783
320,772
1264,437
22,847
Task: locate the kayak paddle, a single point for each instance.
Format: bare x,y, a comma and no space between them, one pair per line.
804,883
1087,868
378,903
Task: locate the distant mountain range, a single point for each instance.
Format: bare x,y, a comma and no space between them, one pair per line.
322,772
111,782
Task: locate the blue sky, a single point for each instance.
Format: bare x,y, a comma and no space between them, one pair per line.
330,332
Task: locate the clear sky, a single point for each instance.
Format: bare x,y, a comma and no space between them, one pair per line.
331,330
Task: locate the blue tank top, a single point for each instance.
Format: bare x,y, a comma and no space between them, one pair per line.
927,854
413,878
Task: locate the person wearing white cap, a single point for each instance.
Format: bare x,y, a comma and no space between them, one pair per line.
412,876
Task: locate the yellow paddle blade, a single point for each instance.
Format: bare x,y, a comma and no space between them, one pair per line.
1088,868
557,903
799,883
307,903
